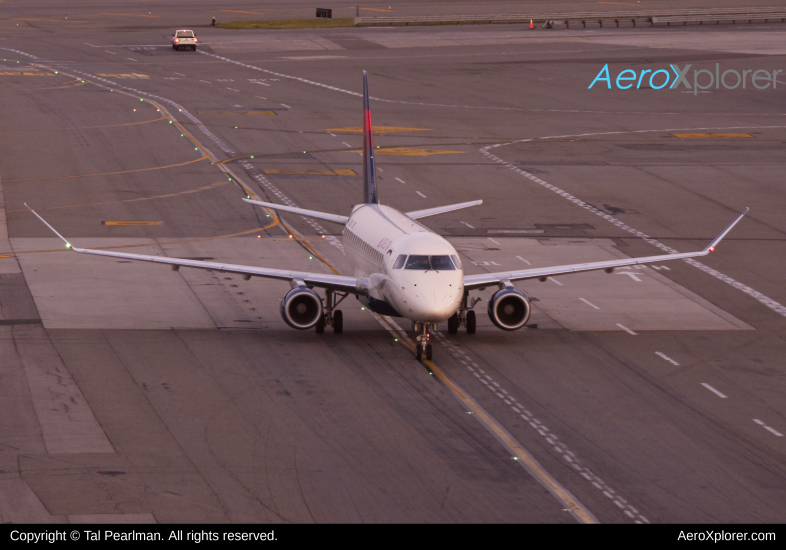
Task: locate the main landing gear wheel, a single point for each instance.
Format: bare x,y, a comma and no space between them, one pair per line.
471,322
453,324
338,322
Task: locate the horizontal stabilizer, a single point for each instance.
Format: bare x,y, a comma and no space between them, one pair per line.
441,209
335,218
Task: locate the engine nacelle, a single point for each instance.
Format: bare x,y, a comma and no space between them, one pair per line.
301,308
509,309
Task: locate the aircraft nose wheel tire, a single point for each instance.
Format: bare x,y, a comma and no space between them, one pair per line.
419,352
471,322
338,322
453,324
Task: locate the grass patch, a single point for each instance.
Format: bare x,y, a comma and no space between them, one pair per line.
316,23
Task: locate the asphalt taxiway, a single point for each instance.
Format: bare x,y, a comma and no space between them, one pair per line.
133,393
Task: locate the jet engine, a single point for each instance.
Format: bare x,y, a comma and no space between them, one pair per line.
509,309
301,308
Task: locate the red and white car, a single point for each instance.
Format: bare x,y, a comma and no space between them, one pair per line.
184,39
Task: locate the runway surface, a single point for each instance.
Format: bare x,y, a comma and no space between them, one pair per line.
134,393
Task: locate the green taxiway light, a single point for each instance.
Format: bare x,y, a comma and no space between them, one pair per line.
140,99
181,135
515,458
248,196
396,340
362,309
310,257
235,127
170,122
304,152
68,245
196,148
268,215
252,156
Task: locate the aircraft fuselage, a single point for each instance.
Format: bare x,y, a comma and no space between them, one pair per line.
426,285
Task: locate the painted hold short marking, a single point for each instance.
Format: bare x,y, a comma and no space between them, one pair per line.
626,329
421,194
205,81
400,180
669,359
470,226
495,242
713,390
589,303
552,279
523,260
233,89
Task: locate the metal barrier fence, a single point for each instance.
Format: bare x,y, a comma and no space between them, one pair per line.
548,19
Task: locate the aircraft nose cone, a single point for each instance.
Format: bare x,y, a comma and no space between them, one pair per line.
434,296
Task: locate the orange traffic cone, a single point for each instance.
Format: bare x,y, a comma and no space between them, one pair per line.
531,24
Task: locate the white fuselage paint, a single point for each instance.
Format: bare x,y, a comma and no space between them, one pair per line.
374,237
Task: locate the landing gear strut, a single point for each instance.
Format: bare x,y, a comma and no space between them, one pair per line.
464,317
331,315
423,345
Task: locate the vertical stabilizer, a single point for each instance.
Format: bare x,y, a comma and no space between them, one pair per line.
369,170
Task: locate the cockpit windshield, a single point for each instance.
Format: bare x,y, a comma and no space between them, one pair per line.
426,263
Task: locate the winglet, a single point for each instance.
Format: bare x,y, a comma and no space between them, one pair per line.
369,171
68,245
713,244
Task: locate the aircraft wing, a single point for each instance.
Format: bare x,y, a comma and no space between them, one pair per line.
415,214
354,285
490,279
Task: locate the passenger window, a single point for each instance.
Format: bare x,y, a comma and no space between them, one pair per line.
400,261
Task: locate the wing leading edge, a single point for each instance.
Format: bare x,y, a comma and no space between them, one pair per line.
489,279
341,283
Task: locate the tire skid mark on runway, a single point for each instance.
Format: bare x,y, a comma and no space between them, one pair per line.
758,296
544,432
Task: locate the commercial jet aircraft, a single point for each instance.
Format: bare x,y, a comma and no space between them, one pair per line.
401,268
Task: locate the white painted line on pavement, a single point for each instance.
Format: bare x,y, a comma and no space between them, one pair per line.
626,329
589,303
523,260
713,390
421,194
470,226
669,359
768,428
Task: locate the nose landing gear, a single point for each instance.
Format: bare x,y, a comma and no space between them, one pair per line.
331,315
423,338
464,317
